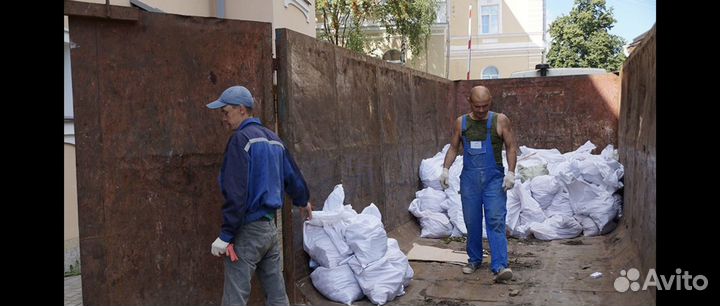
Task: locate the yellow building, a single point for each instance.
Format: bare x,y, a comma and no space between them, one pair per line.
505,35
297,15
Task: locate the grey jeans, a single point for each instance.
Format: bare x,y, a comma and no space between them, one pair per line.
257,247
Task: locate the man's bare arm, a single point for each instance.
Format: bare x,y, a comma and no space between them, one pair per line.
454,144
508,136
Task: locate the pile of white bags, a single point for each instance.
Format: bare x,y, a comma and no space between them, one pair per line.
576,197
556,195
353,255
440,212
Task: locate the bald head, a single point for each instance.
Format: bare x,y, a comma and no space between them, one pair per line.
480,100
480,93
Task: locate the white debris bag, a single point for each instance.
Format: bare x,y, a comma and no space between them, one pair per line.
551,157
366,236
454,174
594,202
434,224
431,169
320,247
555,195
455,212
531,211
560,205
514,207
431,199
333,219
381,281
337,284
556,227
543,189
399,260
530,168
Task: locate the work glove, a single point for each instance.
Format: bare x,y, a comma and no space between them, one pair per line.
219,247
444,178
509,181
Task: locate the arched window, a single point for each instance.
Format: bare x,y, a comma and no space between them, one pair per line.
490,72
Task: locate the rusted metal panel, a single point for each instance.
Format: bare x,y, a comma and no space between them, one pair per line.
447,112
149,152
637,149
359,129
86,9
353,120
307,113
425,122
554,112
396,126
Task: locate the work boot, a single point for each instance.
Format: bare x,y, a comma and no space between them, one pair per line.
504,275
469,268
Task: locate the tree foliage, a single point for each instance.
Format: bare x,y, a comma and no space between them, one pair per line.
411,19
581,39
342,21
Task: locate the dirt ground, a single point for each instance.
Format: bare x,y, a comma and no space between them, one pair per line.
544,273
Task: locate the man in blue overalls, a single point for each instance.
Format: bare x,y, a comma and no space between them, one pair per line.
483,184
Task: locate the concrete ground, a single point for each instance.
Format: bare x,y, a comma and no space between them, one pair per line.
545,273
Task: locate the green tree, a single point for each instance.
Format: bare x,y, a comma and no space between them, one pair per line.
342,21
411,19
581,39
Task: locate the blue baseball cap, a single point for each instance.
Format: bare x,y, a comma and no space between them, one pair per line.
235,95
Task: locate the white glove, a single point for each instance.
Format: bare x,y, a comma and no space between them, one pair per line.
444,178
219,247
509,181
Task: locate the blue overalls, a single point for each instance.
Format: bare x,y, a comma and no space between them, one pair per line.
481,192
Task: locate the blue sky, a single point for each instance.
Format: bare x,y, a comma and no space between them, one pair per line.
633,16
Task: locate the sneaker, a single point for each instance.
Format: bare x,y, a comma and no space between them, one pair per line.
469,268
504,275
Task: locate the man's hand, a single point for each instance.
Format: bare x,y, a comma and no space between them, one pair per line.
306,211
444,178
219,247
509,181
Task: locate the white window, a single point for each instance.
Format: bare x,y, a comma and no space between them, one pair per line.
489,20
441,16
490,72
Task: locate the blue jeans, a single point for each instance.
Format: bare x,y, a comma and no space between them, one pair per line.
258,249
481,193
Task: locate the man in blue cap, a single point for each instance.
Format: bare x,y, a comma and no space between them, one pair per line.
483,183
256,170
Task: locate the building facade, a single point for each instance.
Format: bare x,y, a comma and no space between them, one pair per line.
505,36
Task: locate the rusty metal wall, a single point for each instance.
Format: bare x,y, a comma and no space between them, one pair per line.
637,148
367,124
555,112
149,151
358,121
